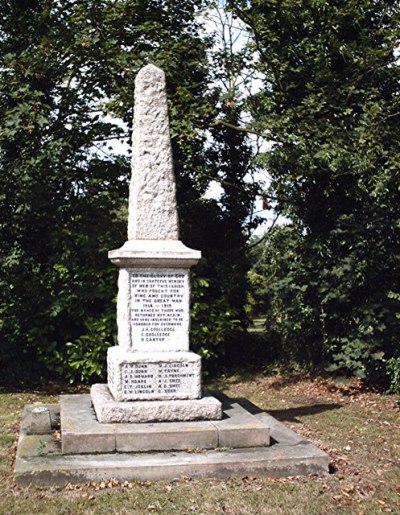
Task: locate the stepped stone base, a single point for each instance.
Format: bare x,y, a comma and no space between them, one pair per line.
109,411
119,450
82,433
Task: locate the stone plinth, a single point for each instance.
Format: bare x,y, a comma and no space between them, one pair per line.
152,360
108,410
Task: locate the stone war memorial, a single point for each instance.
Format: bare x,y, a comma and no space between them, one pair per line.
152,414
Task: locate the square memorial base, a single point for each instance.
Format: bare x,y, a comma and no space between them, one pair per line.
237,445
82,433
110,411
141,376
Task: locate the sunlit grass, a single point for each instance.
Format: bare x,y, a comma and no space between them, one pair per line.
360,431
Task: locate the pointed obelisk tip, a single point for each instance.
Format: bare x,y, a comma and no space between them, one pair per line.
152,201
150,72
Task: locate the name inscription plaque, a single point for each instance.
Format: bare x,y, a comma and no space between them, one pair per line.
159,309
175,375
157,378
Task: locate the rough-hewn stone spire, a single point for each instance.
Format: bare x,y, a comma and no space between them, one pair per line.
152,198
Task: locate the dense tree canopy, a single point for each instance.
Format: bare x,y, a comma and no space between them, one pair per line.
66,84
330,103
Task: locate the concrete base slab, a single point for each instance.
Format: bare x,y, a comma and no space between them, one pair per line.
275,461
39,461
110,411
83,434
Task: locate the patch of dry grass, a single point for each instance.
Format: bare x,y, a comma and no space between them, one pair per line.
360,431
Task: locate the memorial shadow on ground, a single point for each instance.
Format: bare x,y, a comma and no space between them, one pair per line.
292,414
283,415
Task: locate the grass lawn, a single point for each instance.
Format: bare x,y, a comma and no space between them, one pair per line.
359,430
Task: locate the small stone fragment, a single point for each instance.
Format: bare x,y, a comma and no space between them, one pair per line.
39,422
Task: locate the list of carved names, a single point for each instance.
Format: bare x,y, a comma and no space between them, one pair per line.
157,304
157,378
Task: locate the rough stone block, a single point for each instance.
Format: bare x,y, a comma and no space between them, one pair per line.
110,411
152,200
153,375
37,420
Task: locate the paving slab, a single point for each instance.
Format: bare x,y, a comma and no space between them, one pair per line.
239,428
35,445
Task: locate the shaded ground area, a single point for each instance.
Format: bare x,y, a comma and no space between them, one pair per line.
360,431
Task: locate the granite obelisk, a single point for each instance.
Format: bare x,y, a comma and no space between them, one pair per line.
152,361
152,202
153,377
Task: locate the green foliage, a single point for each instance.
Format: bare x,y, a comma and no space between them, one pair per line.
392,367
316,319
214,324
330,103
66,93
287,295
84,359
65,68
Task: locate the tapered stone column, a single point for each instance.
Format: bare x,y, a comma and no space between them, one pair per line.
152,361
152,375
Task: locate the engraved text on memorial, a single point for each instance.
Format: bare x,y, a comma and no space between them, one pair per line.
158,304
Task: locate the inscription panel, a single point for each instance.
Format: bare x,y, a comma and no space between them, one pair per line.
159,379
159,309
